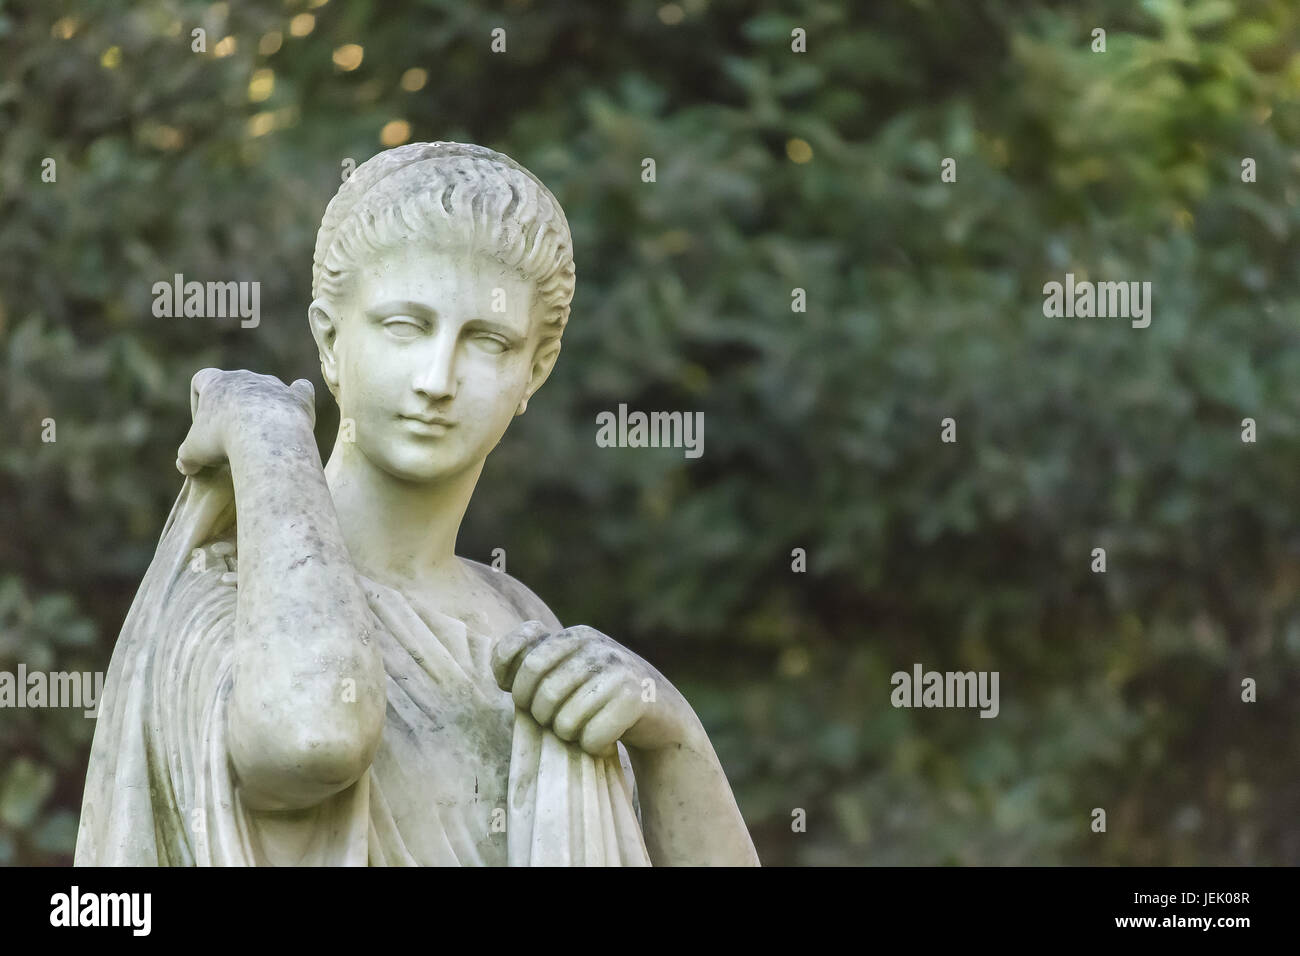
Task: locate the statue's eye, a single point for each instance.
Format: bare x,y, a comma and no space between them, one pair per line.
403,326
490,342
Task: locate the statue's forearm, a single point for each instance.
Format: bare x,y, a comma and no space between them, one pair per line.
307,705
688,814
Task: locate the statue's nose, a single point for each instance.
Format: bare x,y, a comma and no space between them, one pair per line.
436,377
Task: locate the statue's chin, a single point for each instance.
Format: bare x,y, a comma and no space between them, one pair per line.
418,466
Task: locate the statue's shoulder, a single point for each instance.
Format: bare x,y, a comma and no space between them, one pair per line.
525,603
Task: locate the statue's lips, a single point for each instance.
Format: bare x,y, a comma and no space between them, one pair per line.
427,426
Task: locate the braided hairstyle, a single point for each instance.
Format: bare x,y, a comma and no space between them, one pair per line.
455,195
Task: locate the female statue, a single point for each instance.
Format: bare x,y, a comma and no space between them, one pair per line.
309,674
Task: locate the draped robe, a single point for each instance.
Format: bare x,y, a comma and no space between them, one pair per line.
460,777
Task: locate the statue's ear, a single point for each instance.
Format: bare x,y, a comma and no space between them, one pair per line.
324,329
543,362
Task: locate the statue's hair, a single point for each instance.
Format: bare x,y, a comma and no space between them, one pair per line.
452,194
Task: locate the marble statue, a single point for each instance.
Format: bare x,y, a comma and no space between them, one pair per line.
309,675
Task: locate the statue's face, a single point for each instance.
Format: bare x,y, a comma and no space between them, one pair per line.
434,355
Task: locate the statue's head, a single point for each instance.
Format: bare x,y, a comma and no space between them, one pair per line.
441,285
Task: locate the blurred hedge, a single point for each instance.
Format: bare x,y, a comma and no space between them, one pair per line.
1119,691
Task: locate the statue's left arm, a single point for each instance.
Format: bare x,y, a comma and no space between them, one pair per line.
689,816
591,690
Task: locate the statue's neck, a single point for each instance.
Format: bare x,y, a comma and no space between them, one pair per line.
398,531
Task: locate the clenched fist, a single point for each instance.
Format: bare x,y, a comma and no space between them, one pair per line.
590,689
225,403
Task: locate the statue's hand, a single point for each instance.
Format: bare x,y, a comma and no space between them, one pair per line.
590,689
226,404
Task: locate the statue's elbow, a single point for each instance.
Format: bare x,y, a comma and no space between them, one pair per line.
289,767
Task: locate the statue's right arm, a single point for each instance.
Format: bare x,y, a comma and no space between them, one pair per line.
307,704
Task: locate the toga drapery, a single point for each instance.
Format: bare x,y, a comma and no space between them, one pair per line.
161,791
